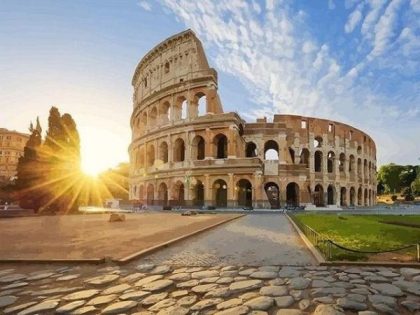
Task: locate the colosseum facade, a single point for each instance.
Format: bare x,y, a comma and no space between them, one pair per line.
187,151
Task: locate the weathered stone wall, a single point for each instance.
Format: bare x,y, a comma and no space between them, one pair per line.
186,151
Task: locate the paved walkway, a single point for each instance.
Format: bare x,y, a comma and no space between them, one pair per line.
253,240
164,290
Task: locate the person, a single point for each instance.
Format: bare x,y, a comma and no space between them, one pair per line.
6,206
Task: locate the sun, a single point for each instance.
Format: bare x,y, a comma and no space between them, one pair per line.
93,165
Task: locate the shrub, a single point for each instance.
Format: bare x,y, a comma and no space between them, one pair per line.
394,197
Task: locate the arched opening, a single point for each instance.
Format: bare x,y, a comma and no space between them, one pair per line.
304,157
201,104
292,194
370,198
342,162
365,168
167,67
150,194
318,142
143,121
199,194
366,198
179,193
150,155
292,155
244,193
153,117
179,150
359,167
271,150
343,196
319,196
163,194
164,112
330,195
220,193
140,158
251,149
141,192
318,161
359,196
163,152
351,164
184,109
352,196
198,148
359,150
273,194
221,145
330,162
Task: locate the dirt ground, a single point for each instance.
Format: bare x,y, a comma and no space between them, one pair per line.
91,236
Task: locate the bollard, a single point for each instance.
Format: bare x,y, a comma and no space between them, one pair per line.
418,252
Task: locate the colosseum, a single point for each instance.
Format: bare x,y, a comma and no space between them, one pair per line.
186,151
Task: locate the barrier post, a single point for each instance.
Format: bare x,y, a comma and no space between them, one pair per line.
418,252
329,250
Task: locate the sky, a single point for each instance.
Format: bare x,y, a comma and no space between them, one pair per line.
355,61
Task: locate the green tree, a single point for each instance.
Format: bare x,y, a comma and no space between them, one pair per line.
389,175
29,174
408,175
415,186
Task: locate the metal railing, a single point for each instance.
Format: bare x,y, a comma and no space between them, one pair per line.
334,251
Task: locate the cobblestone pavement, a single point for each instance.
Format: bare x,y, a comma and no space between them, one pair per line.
149,289
267,239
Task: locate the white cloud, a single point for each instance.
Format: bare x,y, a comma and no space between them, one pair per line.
354,19
145,5
286,70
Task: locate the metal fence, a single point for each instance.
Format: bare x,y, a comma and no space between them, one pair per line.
333,251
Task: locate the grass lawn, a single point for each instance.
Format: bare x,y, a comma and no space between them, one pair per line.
364,232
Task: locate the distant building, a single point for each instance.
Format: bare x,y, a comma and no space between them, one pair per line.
12,144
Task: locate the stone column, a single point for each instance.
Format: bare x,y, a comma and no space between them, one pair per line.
231,191
208,192
209,150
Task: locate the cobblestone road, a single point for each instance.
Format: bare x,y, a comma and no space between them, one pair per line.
253,240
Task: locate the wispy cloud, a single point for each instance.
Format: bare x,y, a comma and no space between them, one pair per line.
287,70
145,5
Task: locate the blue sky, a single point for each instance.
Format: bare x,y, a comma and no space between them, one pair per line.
353,61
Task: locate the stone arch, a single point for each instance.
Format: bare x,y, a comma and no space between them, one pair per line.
140,157
163,194
179,150
318,142
351,164
366,203
150,155
359,167
165,112
365,168
184,109
220,142
273,194
304,157
163,152
318,161
330,195
143,121
198,191
251,149
153,115
359,149
220,189
244,193
292,155
342,161
331,162
180,108
141,192
359,196
292,194
343,196
200,99
198,148
271,150
150,194
178,193
352,196
319,196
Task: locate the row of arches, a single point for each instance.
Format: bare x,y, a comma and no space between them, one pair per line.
165,112
147,157
271,152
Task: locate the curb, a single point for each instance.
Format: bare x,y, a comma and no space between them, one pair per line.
315,253
94,261
172,241
370,263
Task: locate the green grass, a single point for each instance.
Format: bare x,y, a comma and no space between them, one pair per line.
363,232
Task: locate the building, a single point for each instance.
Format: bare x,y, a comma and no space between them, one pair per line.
12,144
186,151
